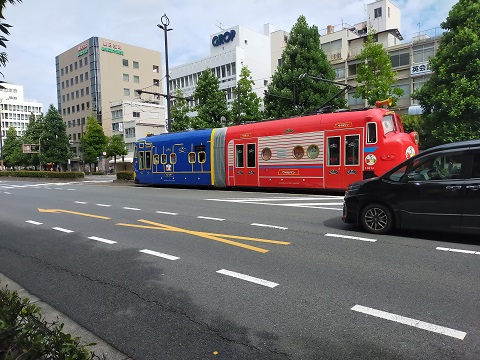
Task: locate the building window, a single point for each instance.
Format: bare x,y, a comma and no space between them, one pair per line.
63,85
136,79
86,75
418,82
77,93
83,106
125,62
71,67
126,77
66,69
68,97
136,93
157,82
71,81
352,69
85,61
400,58
76,79
352,101
63,98
136,114
422,53
126,92
135,64
377,12
155,68
76,65
340,73
81,77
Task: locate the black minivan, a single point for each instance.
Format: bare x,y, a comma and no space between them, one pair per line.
438,189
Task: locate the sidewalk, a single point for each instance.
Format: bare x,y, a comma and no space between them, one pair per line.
50,314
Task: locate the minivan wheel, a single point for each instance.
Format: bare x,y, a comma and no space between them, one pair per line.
376,218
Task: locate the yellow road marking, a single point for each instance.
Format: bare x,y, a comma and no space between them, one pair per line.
206,235
56,211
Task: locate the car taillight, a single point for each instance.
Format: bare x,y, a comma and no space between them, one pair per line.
415,137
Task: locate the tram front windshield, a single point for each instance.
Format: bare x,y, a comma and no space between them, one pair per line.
388,123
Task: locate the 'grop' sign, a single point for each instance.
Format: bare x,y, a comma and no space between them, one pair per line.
224,38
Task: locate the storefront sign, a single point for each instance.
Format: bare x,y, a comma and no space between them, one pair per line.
420,69
113,48
82,49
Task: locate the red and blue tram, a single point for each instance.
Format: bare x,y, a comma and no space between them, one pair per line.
321,151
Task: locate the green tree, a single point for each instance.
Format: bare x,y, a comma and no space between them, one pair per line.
12,148
4,29
450,99
179,111
54,141
246,106
116,147
211,102
32,136
287,95
94,141
374,73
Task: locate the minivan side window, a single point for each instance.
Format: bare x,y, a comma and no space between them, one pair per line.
437,167
476,166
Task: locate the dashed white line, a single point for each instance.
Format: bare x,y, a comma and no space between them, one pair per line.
351,237
270,226
71,189
210,218
102,240
248,278
33,222
459,250
130,208
62,230
411,322
80,202
166,213
162,255
8,193
104,205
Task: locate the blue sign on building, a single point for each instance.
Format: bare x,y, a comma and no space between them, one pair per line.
224,38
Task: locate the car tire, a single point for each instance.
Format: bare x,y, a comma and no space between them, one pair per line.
376,219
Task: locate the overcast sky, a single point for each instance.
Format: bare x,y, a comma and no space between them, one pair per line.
44,29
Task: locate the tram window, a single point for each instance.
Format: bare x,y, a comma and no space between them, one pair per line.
148,159
156,159
135,152
173,158
352,149
192,157
239,155
371,133
163,158
141,160
388,124
333,151
202,157
251,155
298,152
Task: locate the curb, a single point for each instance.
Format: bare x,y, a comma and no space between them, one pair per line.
71,327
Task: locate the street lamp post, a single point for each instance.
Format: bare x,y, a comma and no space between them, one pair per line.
1,147
165,22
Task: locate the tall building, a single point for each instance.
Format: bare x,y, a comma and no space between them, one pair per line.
95,73
15,110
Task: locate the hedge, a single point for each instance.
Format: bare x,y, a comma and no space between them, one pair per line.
125,175
43,174
25,335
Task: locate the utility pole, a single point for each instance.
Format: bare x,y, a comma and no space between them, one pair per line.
238,100
165,22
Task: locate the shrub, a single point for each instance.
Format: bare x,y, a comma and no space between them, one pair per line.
43,174
24,334
125,175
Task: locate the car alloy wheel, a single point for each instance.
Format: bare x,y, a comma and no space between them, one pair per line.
377,219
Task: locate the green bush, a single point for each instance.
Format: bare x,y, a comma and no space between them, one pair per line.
96,173
43,174
25,335
125,175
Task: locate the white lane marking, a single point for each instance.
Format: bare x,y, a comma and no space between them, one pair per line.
62,230
130,208
351,237
210,218
270,226
248,278
102,240
105,205
276,199
411,322
33,222
166,213
71,189
80,202
459,250
58,189
162,255
8,193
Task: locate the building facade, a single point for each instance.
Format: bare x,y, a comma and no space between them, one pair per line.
95,73
15,110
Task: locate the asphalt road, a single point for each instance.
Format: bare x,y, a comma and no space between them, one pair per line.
164,273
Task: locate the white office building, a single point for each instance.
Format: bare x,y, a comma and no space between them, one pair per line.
15,110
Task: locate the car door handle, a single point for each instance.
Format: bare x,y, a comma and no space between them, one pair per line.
453,188
473,187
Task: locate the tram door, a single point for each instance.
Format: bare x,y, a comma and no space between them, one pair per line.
246,165
343,161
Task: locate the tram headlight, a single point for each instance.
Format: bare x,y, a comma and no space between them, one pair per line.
415,137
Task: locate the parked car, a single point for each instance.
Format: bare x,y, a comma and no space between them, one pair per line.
438,189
